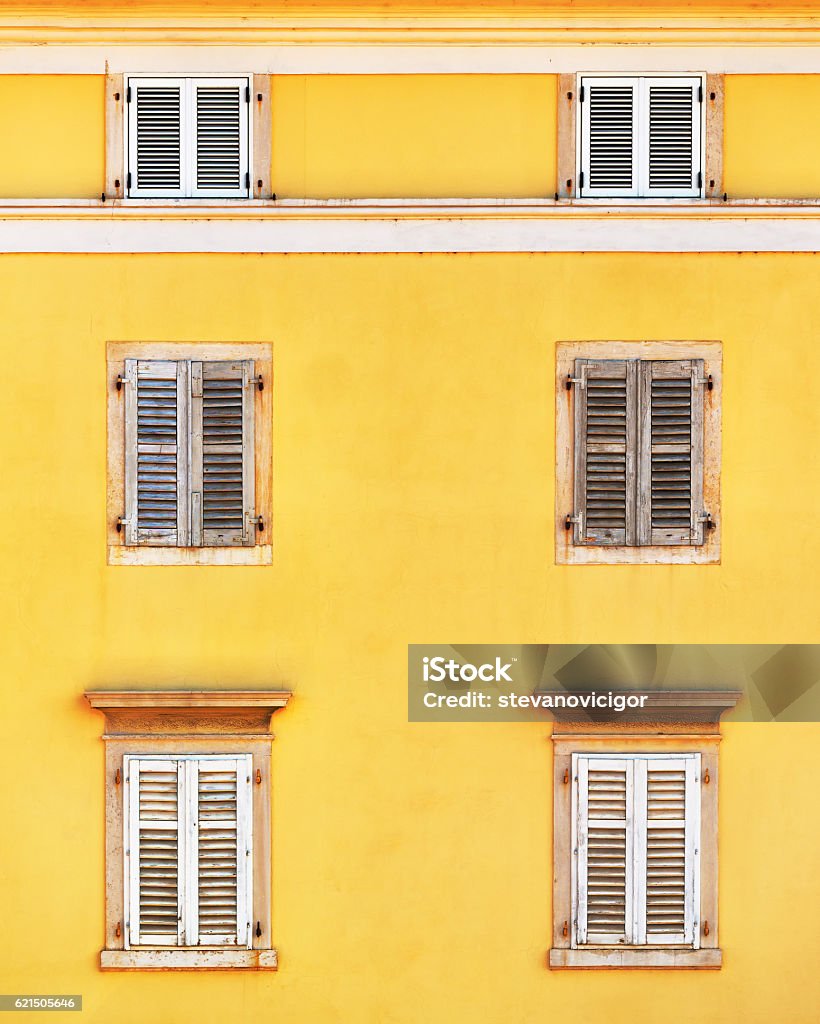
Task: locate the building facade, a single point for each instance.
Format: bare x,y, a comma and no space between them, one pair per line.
331,329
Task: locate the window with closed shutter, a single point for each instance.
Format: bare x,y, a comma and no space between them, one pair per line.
638,452
641,137
188,858
189,453
636,828
188,137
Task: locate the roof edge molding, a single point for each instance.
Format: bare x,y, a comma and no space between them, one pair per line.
188,712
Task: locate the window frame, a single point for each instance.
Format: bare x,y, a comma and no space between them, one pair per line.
570,129
259,144
186,724
674,722
567,551
121,553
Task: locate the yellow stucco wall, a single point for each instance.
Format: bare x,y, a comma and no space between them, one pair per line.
364,136
413,454
53,133
770,149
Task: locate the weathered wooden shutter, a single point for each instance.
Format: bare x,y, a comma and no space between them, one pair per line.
670,464
220,152
222,453
603,840
636,838
156,452
605,451
157,126
609,133
154,851
220,854
668,847
672,115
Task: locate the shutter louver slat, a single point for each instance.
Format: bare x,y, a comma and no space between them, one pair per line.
218,855
606,853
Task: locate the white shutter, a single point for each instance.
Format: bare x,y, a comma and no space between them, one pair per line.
671,137
636,838
157,127
154,809
189,850
219,140
609,134
156,452
641,137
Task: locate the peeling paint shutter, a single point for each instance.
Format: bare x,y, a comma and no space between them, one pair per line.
605,451
156,137
222,453
604,842
609,132
156,452
155,792
220,142
673,118
670,465
221,852
636,861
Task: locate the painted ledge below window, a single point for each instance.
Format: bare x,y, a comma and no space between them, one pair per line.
189,959
708,959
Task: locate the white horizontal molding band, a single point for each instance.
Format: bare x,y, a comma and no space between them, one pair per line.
386,229
375,58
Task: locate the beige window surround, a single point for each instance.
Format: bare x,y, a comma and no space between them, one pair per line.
187,723
672,723
567,551
567,159
119,551
261,131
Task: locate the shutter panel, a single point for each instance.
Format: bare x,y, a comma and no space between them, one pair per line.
221,852
156,452
156,137
604,836
669,905
222,453
154,808
672,114
609,134
670,464
605,451
220,152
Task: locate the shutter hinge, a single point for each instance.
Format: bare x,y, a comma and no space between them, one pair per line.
581,94
706,382
573,520
259,523
117,777
575,380
259,929
700,93
122,521
706,519
257,382
128,94
121,381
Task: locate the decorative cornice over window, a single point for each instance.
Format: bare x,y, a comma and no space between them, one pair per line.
228,713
